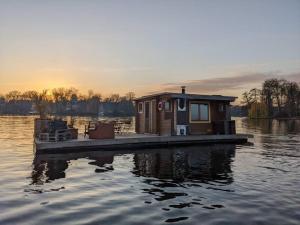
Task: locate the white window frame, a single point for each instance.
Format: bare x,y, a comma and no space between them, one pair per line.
170,104
142,104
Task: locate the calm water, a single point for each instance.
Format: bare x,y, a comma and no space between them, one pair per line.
216,184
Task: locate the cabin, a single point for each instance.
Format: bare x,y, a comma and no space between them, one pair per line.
171,114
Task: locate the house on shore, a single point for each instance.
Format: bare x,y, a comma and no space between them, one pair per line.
169,114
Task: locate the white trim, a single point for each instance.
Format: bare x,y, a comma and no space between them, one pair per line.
142,103
181,109
170,103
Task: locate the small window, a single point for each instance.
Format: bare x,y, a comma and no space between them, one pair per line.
221,107
140,107
199,112
167,106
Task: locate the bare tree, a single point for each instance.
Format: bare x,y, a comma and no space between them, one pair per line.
255,95
298,101
292,91
267,92
28,95
247,99
278,93
114,98
65,100
41,103
13,96
130,96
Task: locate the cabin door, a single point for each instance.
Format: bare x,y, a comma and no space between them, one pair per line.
147,117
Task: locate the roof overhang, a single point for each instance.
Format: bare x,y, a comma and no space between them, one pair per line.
190,96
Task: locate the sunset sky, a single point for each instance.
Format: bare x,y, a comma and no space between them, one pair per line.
213,47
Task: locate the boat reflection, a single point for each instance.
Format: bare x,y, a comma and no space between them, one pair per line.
49,167
166,172
48,170
202,163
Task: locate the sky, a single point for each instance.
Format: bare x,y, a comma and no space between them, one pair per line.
212,47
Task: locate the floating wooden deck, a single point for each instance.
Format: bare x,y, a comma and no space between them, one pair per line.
135,142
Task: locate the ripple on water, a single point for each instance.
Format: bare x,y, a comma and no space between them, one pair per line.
216,184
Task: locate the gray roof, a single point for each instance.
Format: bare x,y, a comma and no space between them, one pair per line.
190,96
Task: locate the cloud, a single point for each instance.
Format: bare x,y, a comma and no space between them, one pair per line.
233,84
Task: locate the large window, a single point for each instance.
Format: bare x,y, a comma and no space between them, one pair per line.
199,112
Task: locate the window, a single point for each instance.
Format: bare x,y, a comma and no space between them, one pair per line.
221,107
140,107
167,106
199,112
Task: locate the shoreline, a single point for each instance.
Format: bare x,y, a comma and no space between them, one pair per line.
275,118
63,115
110,116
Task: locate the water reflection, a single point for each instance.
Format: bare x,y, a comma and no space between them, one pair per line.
269,126
48,170
169,173
197,163
276,138
181,185
164,175
49,167
203,163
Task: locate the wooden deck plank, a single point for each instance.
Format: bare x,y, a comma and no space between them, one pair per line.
135,142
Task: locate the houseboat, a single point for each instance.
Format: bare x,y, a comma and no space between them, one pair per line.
162,120
171,114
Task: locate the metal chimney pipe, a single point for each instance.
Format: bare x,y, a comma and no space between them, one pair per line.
182,89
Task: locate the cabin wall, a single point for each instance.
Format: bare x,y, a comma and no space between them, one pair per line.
165,124
141,119
215,115
166,120
137,119
154,116
200,128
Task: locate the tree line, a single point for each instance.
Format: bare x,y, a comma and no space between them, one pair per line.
66,101
276,98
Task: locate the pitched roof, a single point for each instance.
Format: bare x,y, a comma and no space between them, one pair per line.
190,96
